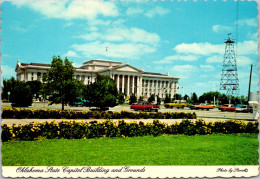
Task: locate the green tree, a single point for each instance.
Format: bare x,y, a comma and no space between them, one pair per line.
35,88
58,78
74,89
8,85
167,99
132,99
21,95
177,96
140,99
151,99
224,99
186,97
121,98
194,98
158,100
102,93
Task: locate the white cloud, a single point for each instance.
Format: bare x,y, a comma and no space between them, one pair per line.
241,60
252,35
71,54
119,34
221,28
200,48
249,22
243,48
170,59
157,11
7,71
184,71
134,11
71,9
207,67
118,50
215,59
247,48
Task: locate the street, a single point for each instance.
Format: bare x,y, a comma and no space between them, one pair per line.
212,113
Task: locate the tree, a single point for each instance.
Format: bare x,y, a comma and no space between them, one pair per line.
35,87
167,99
102,93
158,100
21,95
58,79
194,98
8,85
186,97
121,98
140,99
74,89
132,99
177,96
151,99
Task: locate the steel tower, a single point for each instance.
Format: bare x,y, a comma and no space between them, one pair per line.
229,83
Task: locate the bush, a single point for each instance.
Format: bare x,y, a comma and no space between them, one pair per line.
19,113
21,95
108,128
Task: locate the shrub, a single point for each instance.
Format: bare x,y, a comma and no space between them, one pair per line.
108,128
19,113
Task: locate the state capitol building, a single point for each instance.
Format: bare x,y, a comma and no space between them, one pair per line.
128,79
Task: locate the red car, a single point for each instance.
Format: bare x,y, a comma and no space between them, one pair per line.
228,107
145,107
201,106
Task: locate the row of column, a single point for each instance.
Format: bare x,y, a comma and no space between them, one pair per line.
157,87
128,84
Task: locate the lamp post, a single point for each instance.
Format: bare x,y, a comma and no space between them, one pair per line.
8,94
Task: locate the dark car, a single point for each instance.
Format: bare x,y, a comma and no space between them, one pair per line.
244,109
80,102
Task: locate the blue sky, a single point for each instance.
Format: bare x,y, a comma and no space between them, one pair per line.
184,38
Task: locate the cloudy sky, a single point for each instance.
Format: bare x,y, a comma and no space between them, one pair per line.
184,38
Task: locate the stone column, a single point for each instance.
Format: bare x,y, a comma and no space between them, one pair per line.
160,88
137,86
152,85
140,85
133,84
128,86
123,84
117,82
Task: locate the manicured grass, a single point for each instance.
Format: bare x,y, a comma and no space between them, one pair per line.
215,149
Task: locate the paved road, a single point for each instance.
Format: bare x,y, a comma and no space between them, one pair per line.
211,115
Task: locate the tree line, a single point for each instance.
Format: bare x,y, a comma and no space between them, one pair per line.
59,87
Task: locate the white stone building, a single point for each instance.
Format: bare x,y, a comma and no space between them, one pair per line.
128,78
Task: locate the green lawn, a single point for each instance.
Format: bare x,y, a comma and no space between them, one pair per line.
239,149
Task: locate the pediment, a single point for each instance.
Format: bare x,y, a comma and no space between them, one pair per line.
127,68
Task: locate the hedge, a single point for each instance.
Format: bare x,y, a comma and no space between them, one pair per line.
20,113
108,128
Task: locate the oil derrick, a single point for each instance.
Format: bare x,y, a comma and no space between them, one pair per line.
229,83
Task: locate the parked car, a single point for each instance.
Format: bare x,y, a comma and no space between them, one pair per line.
145,107
244,109
228,107
201,106
176,105
213,105
80,102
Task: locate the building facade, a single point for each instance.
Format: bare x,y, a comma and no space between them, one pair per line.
129,80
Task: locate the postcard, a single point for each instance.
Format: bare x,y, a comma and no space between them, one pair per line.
129,88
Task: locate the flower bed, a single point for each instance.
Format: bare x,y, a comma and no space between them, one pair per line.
108,128
19,113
